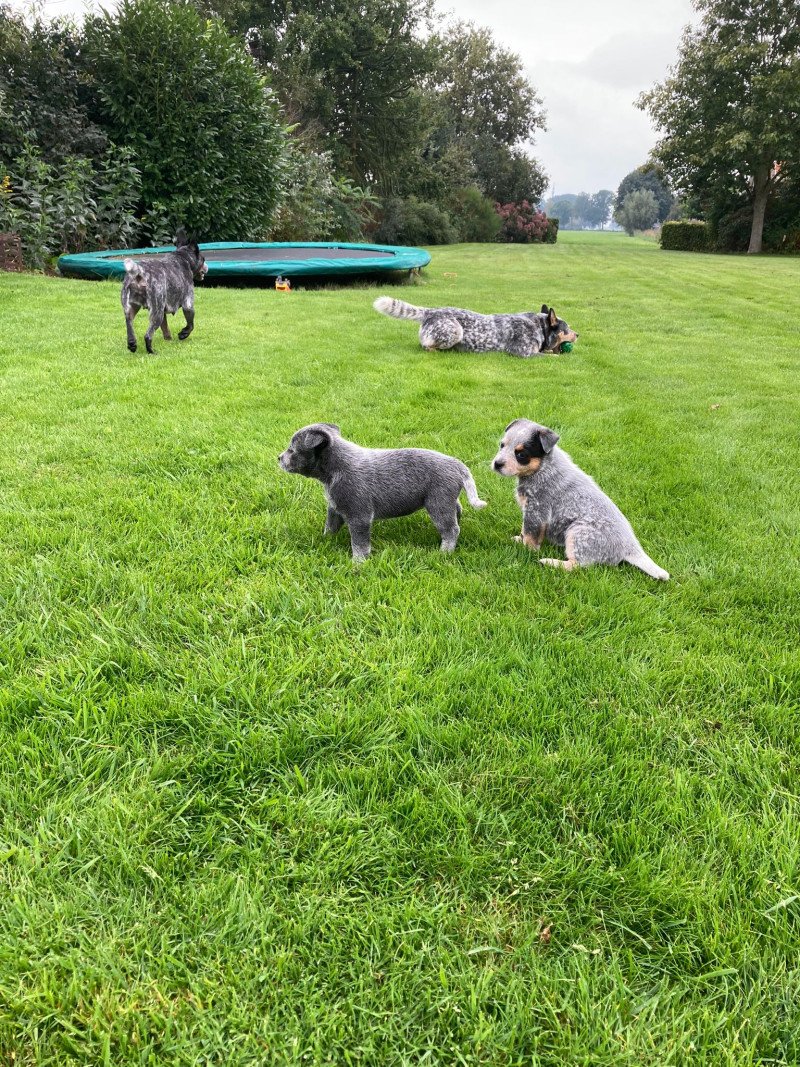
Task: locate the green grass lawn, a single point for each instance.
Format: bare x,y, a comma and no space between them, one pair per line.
259,806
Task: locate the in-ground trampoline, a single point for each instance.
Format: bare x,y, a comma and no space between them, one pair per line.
238,261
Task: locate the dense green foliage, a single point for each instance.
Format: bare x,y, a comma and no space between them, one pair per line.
299,121
689,236
258,808
200,119
71,205
404,104
729,110
45,92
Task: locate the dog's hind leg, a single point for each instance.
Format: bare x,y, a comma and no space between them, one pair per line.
444,516
442,332
156,318
165,328
130,315
188,312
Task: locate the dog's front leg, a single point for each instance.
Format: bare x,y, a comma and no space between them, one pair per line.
533,531
165,328
333,521
360,538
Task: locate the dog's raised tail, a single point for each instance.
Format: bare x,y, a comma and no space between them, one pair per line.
398,309
641,560
472,491
133,268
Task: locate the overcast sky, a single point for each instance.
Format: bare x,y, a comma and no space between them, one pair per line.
588,61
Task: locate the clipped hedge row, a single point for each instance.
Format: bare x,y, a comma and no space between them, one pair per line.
685,237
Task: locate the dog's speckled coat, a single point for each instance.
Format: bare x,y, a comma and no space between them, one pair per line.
364,484
563,505
162,285
526,334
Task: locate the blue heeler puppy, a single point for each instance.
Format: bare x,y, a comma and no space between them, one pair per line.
564,506
162,284
364,484
526,334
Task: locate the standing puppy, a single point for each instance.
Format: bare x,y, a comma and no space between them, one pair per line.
564,506
364,484
162,284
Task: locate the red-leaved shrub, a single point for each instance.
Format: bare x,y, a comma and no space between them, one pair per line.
523,224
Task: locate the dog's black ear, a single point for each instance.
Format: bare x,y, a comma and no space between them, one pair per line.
552,319
180,238
317,438
547,439
331,426
545,309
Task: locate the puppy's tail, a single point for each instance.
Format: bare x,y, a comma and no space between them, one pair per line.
472,490
133,269
398,309
641,560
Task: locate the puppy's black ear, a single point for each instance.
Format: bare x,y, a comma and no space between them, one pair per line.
331,426
547,439
180,238
552,319
317,438
545,309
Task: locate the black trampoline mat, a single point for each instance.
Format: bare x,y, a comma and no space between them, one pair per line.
261,255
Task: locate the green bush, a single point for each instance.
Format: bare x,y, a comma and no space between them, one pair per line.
685,236
201,121
69,206
318,205
474,215
551,236
414,222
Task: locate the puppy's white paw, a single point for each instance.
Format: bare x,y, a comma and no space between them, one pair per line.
517,538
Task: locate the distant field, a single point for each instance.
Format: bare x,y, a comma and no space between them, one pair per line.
259,807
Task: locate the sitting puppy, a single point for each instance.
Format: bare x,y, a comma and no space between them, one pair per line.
526,334
364,484
563,505
163,283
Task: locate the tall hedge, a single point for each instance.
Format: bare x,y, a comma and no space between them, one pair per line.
685,237
201,121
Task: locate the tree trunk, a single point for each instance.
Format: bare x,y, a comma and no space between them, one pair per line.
760,193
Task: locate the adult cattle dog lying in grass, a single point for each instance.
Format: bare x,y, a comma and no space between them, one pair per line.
162,285
526,334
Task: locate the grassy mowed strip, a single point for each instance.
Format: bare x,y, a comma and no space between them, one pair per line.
259,806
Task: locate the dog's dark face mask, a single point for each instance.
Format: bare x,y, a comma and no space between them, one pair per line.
195,257
308,451
556,331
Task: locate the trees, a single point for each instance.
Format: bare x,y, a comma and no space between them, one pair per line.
649,176
483,103
201,121
730,109
639,211
348,75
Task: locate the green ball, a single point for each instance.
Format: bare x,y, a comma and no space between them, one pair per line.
566,346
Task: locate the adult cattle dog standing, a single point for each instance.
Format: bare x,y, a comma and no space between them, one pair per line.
162,285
